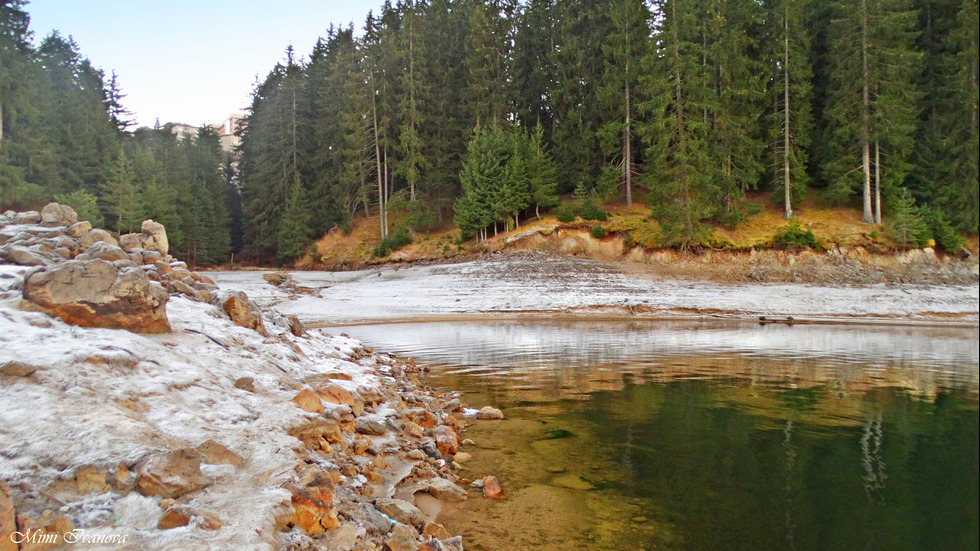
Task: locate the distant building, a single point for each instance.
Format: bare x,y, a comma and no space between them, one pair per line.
225,129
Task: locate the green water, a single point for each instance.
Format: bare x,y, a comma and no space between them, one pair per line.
700,437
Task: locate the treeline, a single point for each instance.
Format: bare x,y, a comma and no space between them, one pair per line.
690,102
66,136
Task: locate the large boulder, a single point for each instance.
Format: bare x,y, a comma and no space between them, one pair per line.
154,237
54,214
94,236
95,293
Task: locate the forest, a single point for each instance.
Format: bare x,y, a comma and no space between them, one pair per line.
481,113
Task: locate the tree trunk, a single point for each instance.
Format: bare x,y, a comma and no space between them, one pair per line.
377,159
867,216
877,183
627,151
788,212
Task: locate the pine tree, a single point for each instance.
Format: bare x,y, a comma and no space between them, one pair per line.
542,173
411,159
789,124
624,47
679,169
871,104
292,236
121,198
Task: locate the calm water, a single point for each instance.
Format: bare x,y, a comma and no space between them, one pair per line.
712,436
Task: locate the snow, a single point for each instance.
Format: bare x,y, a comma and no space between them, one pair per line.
102,397
513,287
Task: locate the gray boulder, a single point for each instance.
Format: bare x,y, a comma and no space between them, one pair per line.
95,293
54,214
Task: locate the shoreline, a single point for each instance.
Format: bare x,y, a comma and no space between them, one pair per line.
733,318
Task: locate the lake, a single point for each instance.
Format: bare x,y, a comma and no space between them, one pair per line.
710,435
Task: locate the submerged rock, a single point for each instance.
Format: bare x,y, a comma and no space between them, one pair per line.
488,413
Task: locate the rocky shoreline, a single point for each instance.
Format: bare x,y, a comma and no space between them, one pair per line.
144,407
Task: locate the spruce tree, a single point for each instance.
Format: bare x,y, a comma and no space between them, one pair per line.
679,169
871,101
625,46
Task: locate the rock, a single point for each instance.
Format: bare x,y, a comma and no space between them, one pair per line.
412,430
317,431
25,256
179,514
447,442
340,539
245,383
16,368
488,413
440,488
154,237
8,518
401,511
240,311
54,214
417,455
296,327
492,489
454,543
402,538
103,251
79,229
335,394
375,522
27,217
218,454
130,242
313,508
43,531
435,530
462,457
89,479
95,293
187,291
368,425
308,401
171,474
277,278
94,236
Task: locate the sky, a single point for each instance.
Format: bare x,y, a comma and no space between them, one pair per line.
187,61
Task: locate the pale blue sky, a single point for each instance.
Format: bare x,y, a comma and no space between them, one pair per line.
191,61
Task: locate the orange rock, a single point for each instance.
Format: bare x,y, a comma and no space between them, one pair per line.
8,519
313,507
179,514
435,530
240,312
492,489
218,454
446,440
171,474
310,433
308,401
90,479
335,394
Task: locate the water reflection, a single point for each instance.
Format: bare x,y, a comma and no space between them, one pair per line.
713,436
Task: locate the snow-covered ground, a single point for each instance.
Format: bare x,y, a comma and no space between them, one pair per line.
547,284
103,398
